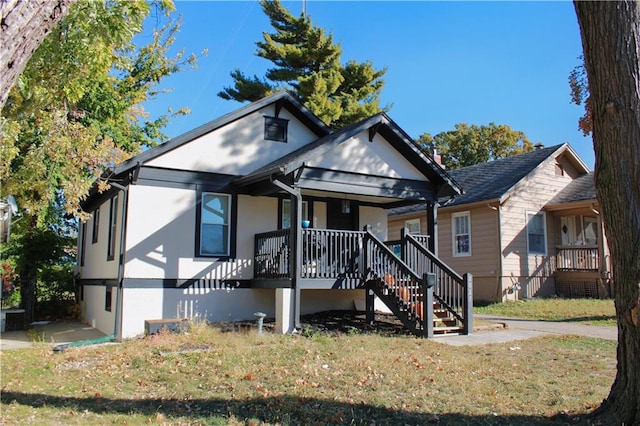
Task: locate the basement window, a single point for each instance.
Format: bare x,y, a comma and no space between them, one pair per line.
275,129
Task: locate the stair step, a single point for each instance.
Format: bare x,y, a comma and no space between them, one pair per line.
448,329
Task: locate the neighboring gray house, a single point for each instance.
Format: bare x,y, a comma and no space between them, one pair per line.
262,210
527,225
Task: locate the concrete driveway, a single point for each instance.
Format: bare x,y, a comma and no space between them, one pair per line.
53,333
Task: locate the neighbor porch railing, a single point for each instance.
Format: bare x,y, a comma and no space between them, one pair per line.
583,258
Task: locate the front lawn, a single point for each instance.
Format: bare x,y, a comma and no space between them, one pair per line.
588,311
209,377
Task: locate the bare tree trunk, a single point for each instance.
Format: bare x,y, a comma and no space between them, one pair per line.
611,42
24,25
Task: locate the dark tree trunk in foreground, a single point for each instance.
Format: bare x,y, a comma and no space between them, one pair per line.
611,42
24,25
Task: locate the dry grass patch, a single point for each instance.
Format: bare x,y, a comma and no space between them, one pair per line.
586,311
208,377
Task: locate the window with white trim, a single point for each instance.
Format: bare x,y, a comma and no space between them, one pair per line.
413,226
461,233
536,233
214,224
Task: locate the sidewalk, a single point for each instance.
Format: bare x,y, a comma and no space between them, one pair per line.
53,333
514,329
519,329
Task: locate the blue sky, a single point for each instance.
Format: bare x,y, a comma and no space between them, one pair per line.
447,62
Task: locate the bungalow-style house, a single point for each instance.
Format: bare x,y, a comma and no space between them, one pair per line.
526,226
266,211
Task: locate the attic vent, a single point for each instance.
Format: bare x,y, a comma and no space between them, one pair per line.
275,129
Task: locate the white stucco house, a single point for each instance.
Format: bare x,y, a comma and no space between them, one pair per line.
261,210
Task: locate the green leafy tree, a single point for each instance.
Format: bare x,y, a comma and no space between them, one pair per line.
307,61
468,145
610,39
76,110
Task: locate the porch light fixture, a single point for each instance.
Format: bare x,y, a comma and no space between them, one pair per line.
346,206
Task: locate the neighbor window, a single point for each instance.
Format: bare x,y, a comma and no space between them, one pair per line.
275,129
96,225
461,223
214,224
536,233
286,213
413,226
113,222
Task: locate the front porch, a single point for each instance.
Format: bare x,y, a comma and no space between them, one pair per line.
423,292
582,271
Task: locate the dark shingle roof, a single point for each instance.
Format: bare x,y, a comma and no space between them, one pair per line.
582,188
490,180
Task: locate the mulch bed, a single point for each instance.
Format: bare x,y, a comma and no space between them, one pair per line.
331,322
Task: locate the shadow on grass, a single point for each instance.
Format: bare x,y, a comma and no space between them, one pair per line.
279,409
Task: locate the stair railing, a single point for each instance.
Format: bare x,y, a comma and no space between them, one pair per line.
404,291
454,292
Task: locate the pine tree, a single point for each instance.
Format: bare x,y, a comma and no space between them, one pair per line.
307,61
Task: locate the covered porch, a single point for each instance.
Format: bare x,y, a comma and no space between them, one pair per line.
582,264
422,291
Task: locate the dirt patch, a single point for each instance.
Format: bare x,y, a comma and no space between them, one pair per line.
332,322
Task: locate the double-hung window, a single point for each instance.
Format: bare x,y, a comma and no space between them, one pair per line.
461,225
95,225
413,226
214,224
113,222
536,233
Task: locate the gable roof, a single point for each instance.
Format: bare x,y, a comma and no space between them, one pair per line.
281,99
379,123
582,188
493,180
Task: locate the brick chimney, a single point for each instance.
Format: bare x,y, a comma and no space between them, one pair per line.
437,158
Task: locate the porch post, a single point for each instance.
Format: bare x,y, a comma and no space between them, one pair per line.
427,306
295,255
432,226
285,305
296,227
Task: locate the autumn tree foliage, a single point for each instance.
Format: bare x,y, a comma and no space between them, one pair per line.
24,25
611,44
308,62
467,145
76,111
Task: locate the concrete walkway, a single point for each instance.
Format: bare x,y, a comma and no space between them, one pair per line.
519,329
513,329
53,333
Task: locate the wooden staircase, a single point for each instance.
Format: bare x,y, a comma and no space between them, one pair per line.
420,301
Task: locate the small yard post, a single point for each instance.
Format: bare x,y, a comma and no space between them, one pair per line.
370,299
